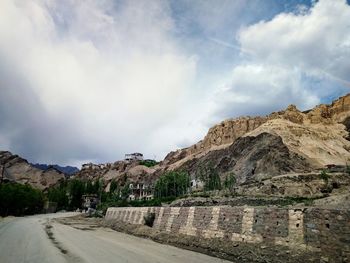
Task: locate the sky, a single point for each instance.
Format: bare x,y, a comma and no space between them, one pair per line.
88,81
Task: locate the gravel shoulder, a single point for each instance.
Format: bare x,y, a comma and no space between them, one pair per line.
235,252
55,238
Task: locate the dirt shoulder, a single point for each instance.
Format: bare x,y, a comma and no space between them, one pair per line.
234,251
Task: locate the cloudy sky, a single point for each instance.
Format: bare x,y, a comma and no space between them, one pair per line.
92,80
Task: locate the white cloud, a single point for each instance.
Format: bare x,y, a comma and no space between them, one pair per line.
298,58
91,80
105,76
317,41
258,89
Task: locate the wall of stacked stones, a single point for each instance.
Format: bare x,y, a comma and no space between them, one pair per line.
327,231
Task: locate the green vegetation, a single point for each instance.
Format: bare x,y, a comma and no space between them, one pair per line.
324,175
210,177
148,163
18,200
68,195
230,182
172,184
59,196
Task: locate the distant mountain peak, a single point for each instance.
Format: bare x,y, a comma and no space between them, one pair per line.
69,170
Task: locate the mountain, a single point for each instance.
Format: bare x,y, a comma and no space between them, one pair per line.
16,169
290,145
319,136
69,170
253,148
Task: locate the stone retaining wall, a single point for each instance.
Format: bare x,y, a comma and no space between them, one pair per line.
311,229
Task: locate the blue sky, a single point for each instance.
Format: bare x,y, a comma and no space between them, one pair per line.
92,80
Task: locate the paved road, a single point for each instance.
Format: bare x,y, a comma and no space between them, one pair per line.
36,239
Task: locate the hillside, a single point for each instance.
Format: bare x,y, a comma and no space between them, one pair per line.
253,148
320,134
288,141
16,169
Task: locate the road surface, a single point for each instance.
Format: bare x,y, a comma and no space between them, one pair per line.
37,239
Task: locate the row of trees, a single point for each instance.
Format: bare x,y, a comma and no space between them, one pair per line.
17,199
172,184
176,183
212,181
68,195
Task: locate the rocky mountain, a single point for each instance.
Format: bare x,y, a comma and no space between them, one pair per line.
320,134
68,170
253,148
251,157
16,169
288,141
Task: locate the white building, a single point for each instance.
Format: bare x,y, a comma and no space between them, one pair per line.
196,184
133,157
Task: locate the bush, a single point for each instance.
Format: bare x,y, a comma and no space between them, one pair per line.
149,219
17,199
148,163
324,175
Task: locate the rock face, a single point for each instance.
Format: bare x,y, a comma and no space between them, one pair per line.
16,169
120,171
220,135
319,135
251,157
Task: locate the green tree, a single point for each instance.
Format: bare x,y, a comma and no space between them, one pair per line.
89,188
59,196
148,163
17,199
76,190
209,176
113,187
125,191
230,182
172,183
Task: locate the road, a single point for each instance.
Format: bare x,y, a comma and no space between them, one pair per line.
37,239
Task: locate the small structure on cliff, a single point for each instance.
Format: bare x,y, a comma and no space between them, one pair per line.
140,191
129,157
196,184
90,201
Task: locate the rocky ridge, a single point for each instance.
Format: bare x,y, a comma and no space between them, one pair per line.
254,148
16,169
288,141
325,122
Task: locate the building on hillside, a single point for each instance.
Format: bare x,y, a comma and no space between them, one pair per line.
133,157
196,184
90,201
140,191
90,166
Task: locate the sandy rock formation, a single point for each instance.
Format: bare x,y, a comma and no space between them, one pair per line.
320,144
251,158
120,171
16,169
253,147
319,135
